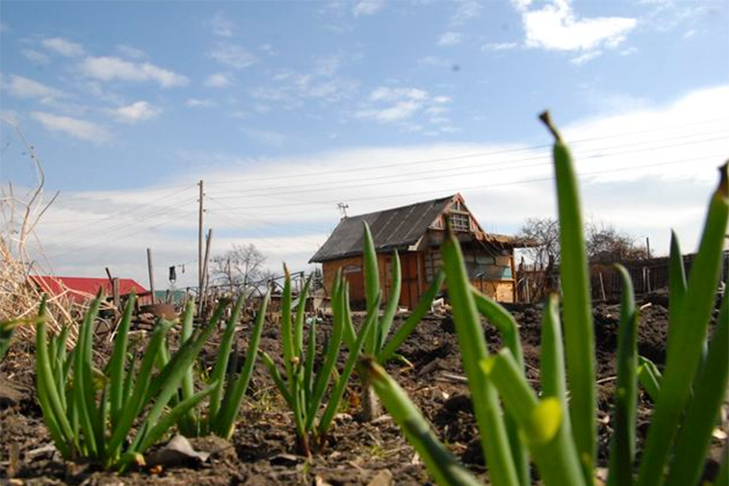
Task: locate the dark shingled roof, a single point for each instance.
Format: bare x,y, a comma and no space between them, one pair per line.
391,229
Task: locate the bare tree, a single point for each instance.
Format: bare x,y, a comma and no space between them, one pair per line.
241,266
605,244
543,234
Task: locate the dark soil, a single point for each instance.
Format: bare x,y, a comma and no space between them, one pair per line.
263,451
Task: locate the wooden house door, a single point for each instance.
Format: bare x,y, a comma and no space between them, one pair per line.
352,273
410,293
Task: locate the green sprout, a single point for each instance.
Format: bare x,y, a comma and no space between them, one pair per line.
91,414
228,388
302,386
559,434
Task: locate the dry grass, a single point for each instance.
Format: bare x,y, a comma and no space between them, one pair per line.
19,296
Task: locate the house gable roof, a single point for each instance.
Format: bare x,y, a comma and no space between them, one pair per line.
391,229
82,288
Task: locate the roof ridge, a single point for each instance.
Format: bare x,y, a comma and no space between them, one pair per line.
403,206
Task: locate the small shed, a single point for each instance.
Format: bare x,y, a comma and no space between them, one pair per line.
417,232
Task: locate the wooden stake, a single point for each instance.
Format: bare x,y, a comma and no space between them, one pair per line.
115,292
200,280
150,268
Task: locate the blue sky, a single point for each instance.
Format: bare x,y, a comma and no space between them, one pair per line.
286,108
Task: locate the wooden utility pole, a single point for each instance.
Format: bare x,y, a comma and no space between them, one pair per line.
205,270
150,268
200,278
648,246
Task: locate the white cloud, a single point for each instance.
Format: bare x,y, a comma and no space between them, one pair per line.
218,80
64,47
449,39
200,103
367,7
436,62
27,88
467,10
10,116
403,104
286,205
401,110
556,27
232,55
81,129
116,69
586,57
131,52
385,93
499,46
266,137
667,15
291,88
36,57
221,25
136,112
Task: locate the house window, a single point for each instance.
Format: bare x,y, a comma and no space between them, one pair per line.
460,222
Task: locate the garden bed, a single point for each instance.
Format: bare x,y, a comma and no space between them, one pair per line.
262,450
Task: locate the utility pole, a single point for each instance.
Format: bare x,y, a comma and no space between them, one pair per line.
648,246
150,268
201,210
203,281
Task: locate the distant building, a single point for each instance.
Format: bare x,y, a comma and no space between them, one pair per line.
81,289
417,232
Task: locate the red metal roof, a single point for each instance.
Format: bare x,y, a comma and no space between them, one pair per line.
81,288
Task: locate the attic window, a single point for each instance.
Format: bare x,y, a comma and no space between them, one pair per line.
460,222
457,206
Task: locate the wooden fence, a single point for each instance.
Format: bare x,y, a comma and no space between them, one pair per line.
648,276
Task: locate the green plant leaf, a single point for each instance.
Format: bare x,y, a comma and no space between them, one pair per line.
542,422
507,326
622,447
225,423
649,377
438,460
688,334
392,304
372,284
577,305
709,392
407,327
221,363
118,360
494,440
341,383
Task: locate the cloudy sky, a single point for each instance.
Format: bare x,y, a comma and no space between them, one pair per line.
286,109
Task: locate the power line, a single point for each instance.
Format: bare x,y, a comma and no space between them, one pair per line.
509,183
445,173
122,225
440,190
463,156
451,172
128,210
101,236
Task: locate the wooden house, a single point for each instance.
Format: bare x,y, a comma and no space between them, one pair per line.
417,232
